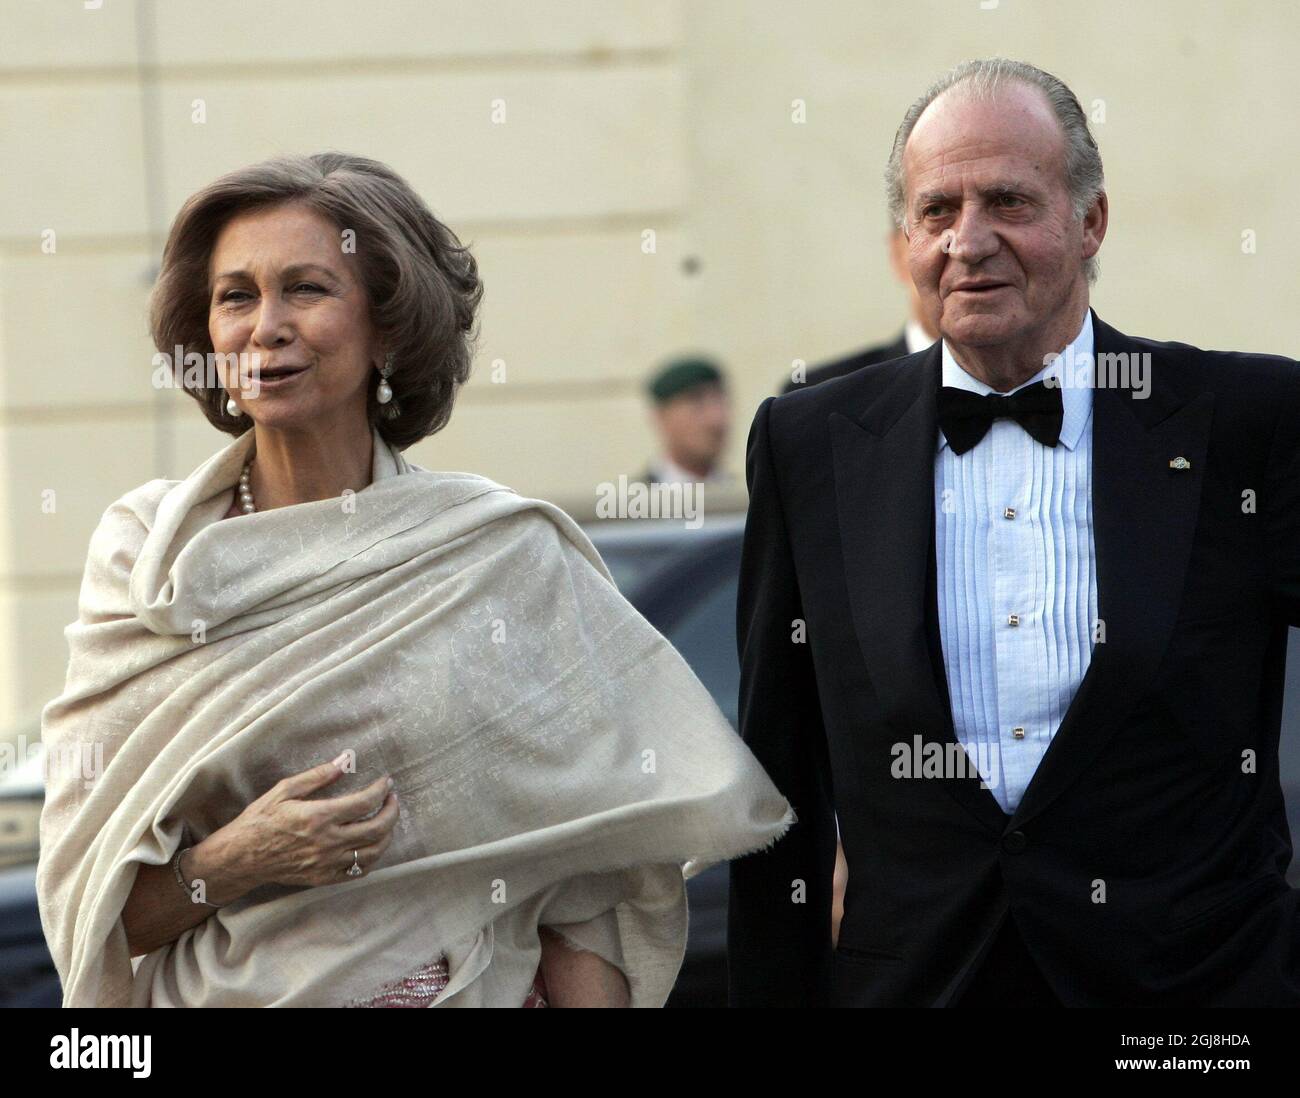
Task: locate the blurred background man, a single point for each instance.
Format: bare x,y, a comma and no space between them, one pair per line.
692,416
917,333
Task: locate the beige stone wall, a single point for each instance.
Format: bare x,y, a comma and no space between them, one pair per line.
622,116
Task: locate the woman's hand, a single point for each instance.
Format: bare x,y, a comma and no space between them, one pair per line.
278,838
283,839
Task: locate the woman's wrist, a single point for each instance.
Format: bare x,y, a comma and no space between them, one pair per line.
210,861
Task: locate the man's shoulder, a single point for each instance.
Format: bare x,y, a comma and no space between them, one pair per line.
1252,392
1249,374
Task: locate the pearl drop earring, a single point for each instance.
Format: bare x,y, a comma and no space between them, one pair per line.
232,409
384,393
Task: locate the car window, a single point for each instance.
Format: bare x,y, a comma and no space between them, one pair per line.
705,635
631,564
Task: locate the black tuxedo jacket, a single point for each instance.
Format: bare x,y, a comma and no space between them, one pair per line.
1145,863
847,365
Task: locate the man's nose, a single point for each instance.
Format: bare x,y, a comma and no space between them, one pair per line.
971,238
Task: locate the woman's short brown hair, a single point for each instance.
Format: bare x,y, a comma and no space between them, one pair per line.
422,284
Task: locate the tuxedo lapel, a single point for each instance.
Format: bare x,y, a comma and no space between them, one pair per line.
1144,517
884,488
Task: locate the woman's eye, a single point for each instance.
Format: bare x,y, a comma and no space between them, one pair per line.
309,287
232,295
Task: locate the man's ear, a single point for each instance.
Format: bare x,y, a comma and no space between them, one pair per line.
1094,225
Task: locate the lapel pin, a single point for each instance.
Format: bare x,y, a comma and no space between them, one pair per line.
1180,463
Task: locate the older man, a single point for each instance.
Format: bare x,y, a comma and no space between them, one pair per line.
1019,622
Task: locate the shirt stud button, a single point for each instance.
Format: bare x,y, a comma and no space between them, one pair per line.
1009,513
1013,619
1018,732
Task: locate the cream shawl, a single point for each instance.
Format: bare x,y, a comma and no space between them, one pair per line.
555,759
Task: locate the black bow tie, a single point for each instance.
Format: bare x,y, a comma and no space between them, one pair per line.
965,417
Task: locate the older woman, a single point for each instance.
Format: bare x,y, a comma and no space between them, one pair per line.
372,735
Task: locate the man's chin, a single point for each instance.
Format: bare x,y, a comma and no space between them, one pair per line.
978,329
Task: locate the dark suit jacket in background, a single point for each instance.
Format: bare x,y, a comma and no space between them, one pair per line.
841,366
1142,791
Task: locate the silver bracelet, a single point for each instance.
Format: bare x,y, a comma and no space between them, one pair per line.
180,877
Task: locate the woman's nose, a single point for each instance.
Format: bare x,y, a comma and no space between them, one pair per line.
271,327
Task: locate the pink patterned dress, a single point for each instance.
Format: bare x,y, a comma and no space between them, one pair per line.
421,987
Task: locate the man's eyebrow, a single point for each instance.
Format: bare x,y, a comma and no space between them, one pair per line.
926,197
992,190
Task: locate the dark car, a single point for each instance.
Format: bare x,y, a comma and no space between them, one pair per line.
27,976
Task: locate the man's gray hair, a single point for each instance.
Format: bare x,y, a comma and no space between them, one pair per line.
981,80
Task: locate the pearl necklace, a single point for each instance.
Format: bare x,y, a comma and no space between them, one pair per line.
246,490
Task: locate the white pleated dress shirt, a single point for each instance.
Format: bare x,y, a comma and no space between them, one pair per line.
1016,577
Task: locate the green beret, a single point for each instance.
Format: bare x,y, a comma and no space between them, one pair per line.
682,374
